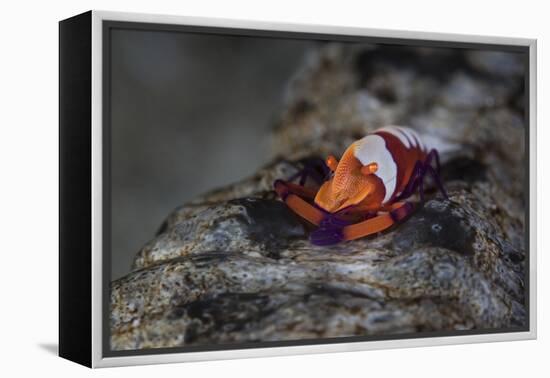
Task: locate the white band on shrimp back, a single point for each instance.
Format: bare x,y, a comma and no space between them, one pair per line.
372,149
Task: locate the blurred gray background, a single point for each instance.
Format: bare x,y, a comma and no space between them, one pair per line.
190,112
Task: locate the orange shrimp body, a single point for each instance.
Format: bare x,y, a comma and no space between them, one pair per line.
373,170
367,186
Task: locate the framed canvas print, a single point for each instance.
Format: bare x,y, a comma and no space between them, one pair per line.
232,189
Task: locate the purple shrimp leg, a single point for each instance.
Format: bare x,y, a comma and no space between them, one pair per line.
412,185
330,231
433,154
437,180
315,168
419,173
435,173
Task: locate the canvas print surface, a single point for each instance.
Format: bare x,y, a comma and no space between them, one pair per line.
274,189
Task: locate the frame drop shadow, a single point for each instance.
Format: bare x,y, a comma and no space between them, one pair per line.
51,348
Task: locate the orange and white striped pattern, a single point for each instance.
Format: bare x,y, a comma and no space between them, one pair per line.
392,151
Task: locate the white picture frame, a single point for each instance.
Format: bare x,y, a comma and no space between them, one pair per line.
97,356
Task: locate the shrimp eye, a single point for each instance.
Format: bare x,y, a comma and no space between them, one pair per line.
369,168
332,163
